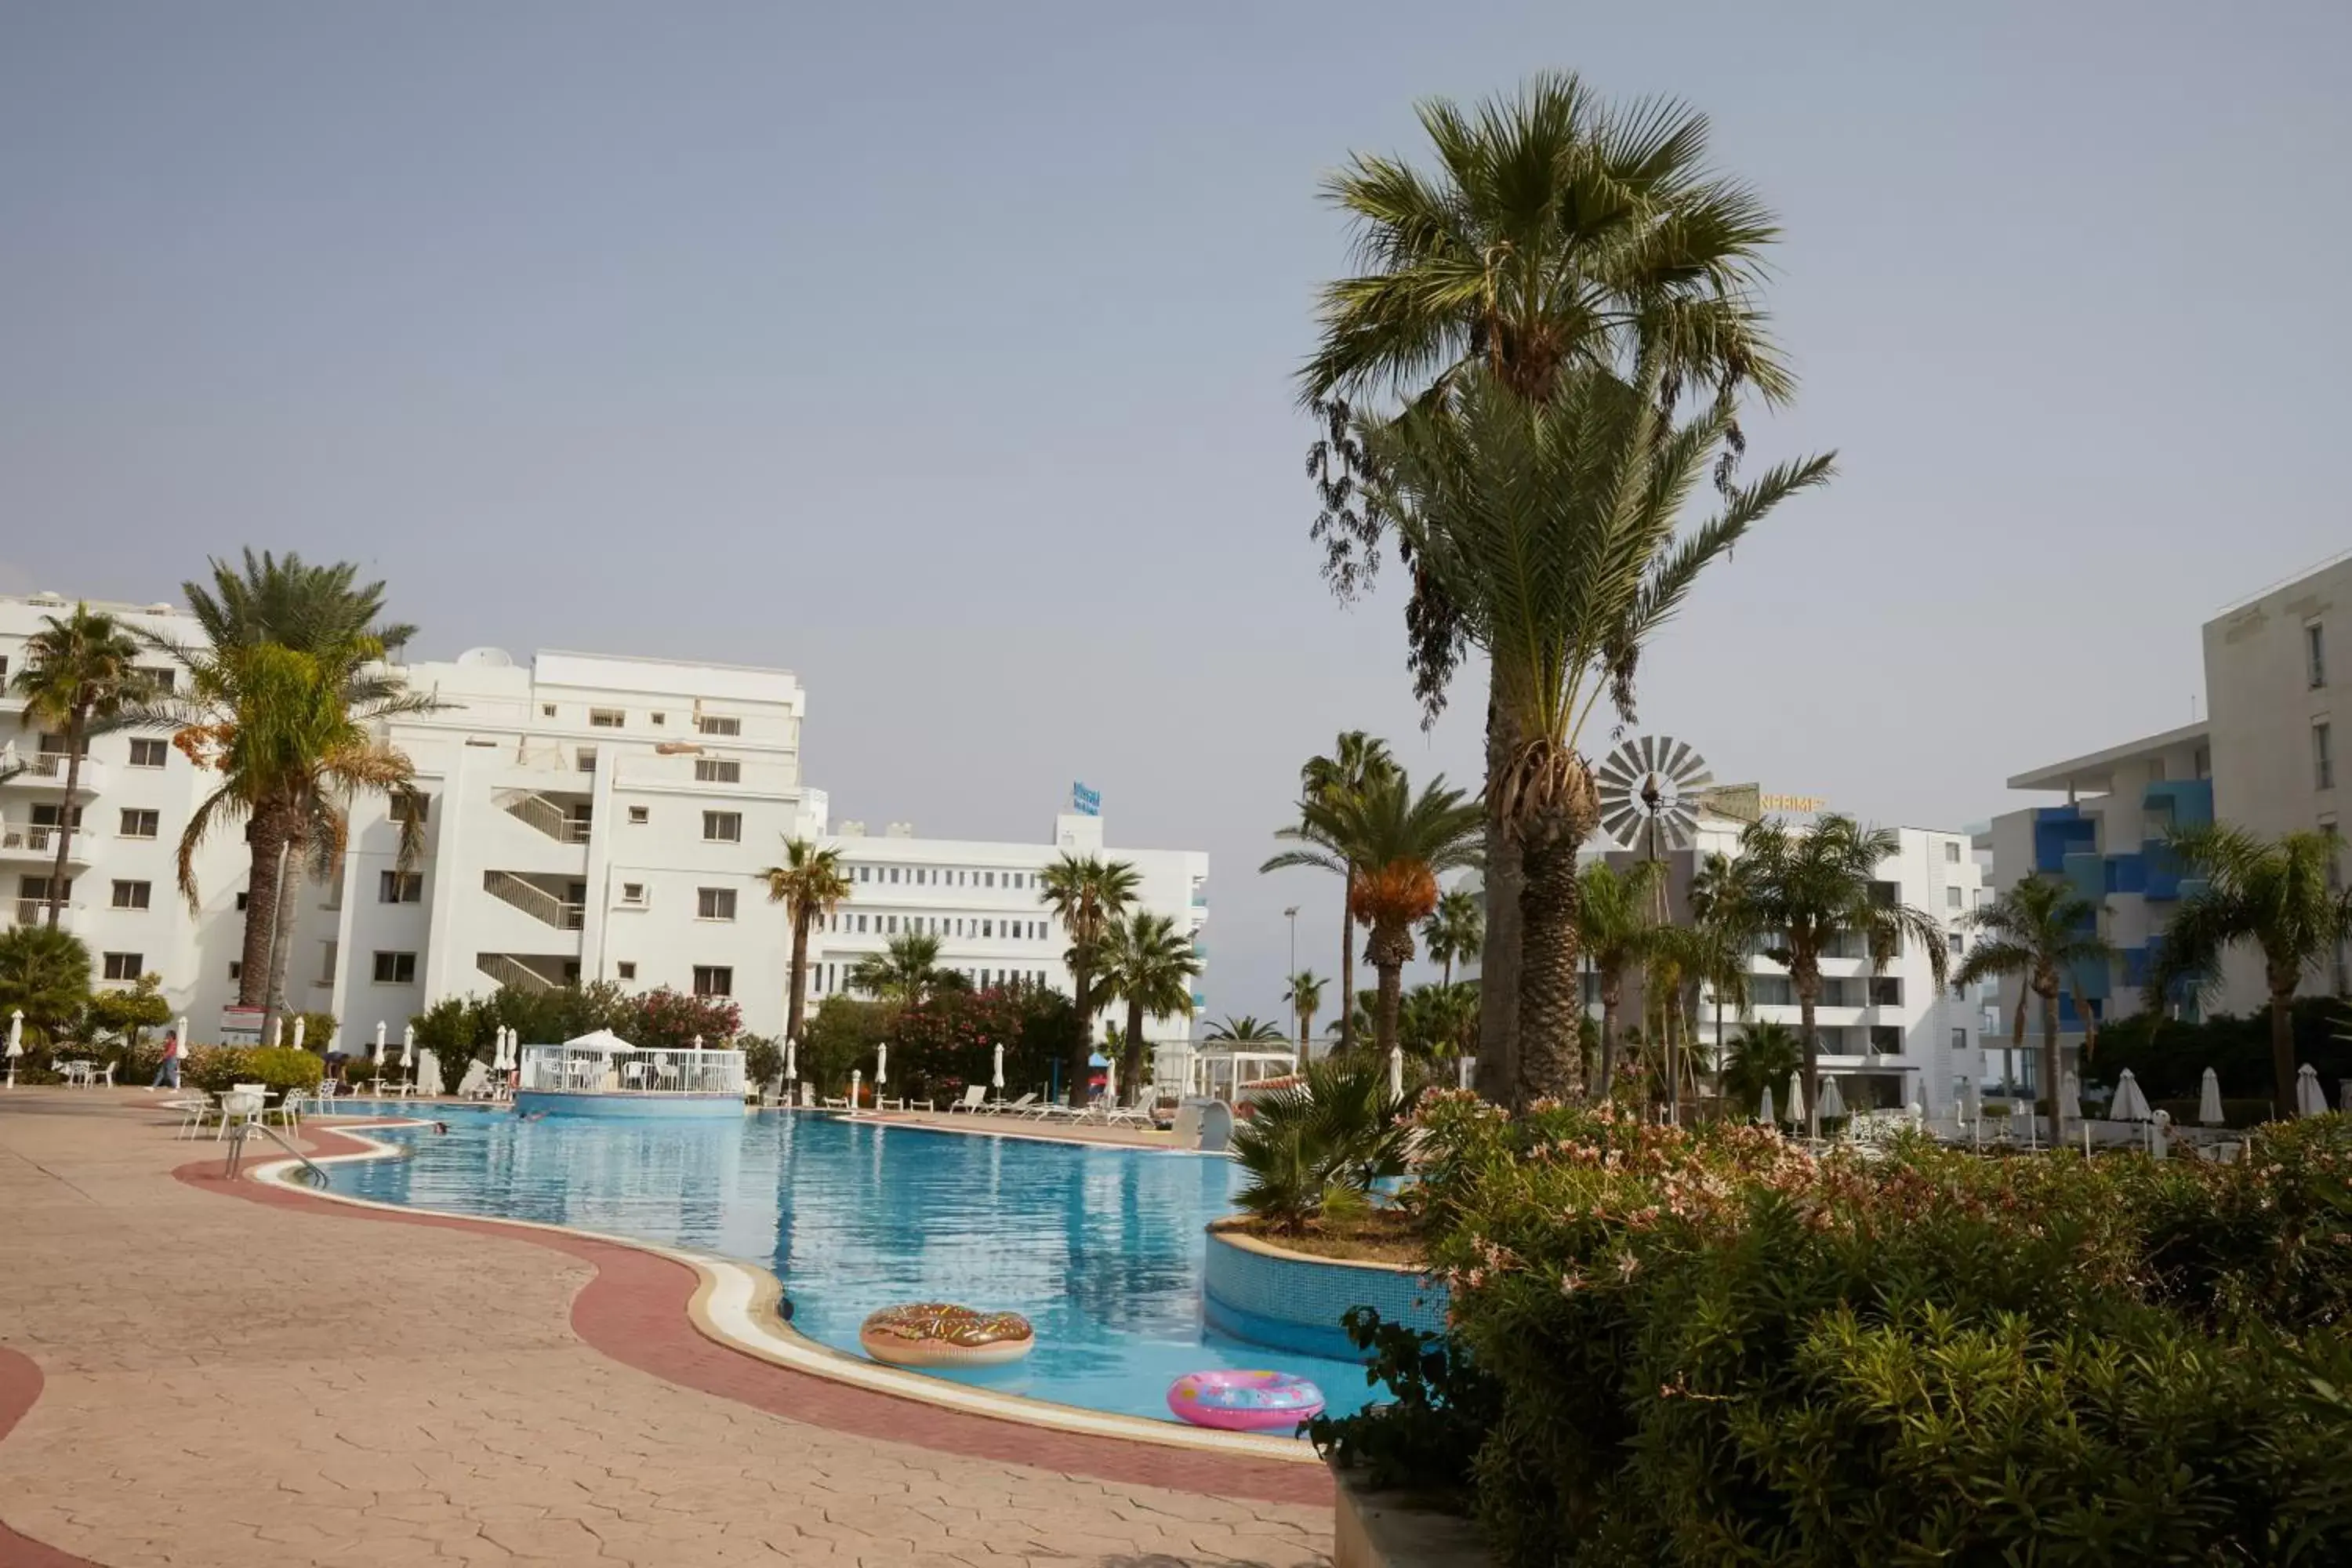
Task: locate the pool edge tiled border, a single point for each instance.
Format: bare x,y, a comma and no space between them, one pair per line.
731,1305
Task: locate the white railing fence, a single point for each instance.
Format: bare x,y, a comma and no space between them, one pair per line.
564,1068
509,970
548,817
534,900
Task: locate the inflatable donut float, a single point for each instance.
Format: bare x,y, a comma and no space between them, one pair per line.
1244,1401
941,1333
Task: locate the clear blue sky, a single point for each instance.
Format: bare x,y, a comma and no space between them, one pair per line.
941,355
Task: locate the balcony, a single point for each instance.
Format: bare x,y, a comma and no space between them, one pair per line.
36,912
32,841
46,771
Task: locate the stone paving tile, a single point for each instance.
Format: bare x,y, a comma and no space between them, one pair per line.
230,1383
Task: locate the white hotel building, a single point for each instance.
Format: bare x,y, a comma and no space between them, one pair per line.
589,819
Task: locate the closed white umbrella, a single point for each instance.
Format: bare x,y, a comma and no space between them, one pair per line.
791,1060
2070,1097
2208,1100
1764,1106
996,1072
1396,1072
1832,1102
881,1066
1796,1097
408,1046
379,1042
300,1024
276,1029
1111,1081
15,1043
2310,1100
2130,1104
856,1078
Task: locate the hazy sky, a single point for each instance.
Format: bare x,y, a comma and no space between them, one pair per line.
941,355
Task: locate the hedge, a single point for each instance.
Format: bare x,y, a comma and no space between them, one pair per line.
218,1067
1713,1347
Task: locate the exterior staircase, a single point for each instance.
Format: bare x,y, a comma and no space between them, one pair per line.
534,900
509,970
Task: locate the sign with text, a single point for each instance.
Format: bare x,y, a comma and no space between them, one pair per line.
1805,803
1085,801
241,1026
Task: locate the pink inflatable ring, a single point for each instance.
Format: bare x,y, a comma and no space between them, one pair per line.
939,1333
1244,1401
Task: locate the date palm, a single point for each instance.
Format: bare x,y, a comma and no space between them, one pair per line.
1305,994
2042,934
78,671
1616,922
2269,895
327,614
1723,927
1247,1030
1556,232
1812,888
811,883
1554,530
1357,761
1086,894
905,974
1149,965
1760,1056
1392,845
1454,929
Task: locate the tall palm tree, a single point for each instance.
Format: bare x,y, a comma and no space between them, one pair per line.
1086,895
2272,895
1454,929
78,671
1723,927
1812,888
291,749
1436,1020
811,883
1393,846
906,972
1554,531
2043,934
1556,233
1149,964
327,614
1616,922
1760,1056
1356,761
1247,1030
1305,994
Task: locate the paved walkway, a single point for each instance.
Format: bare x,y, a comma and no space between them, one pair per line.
222,1382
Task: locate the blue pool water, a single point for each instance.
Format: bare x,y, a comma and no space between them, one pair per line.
1100,1249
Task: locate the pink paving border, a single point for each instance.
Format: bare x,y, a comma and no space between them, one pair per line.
634,1312
20,1385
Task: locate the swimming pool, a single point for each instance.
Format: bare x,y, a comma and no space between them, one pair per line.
1101,1248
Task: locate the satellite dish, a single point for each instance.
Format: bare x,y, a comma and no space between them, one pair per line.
1654,788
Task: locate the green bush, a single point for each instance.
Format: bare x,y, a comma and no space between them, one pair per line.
763,1060
1322,1142
214,1069
1712,1346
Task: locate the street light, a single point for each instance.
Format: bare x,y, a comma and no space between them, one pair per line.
1291,914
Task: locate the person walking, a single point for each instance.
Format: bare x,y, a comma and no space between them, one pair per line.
169,1069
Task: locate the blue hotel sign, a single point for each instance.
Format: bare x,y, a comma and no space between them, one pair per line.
1085,801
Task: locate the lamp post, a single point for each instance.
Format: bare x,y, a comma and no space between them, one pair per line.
1291,914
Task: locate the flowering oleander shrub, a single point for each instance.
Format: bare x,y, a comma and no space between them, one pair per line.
1713,1346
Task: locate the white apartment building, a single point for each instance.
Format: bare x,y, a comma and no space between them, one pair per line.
587,817
2265,758
1891,1035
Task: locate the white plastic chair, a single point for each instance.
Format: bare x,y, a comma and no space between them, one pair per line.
242,1104
289,1109
973,1097
192,1110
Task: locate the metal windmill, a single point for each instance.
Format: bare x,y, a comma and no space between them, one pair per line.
1653,789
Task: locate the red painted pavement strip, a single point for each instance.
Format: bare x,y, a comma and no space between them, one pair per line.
634,1312
20,1385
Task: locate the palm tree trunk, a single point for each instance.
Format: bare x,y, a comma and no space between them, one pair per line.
2282,1052
263,858
1391,993
1347,962
66,816
1609,996
1081,1053
2052,1082
796,992
1808,990
1498,1074
281,941
1545,1027
1130,1059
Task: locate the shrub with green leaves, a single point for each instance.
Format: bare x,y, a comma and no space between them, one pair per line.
216,1068
1320,1143
1712,1346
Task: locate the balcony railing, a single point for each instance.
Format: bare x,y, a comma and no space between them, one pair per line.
534,900
549,818
28,837
36,912
46,770
582,1070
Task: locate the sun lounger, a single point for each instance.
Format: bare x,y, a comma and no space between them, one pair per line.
1020,1106
972,1096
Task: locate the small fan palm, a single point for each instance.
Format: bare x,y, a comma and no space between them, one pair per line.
1320,1143
906,972
2045,935
811,883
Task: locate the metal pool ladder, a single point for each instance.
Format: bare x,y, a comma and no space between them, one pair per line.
237,1137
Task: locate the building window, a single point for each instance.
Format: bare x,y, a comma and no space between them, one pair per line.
48,816
546,710
2315,655
626,969
149,753
240,902
722,826
633,892
717,770
605,717
133,895
1956,944
1959,1038
893,873
2155,770
1951,852
1951,898
395,968
584,759
125,965
640,814
161,676
713,980
2323,764
235,969
894,926
399,887
988,927
420,806
989,879
861,925
714,903
327,950
717,724
139,824
658,719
